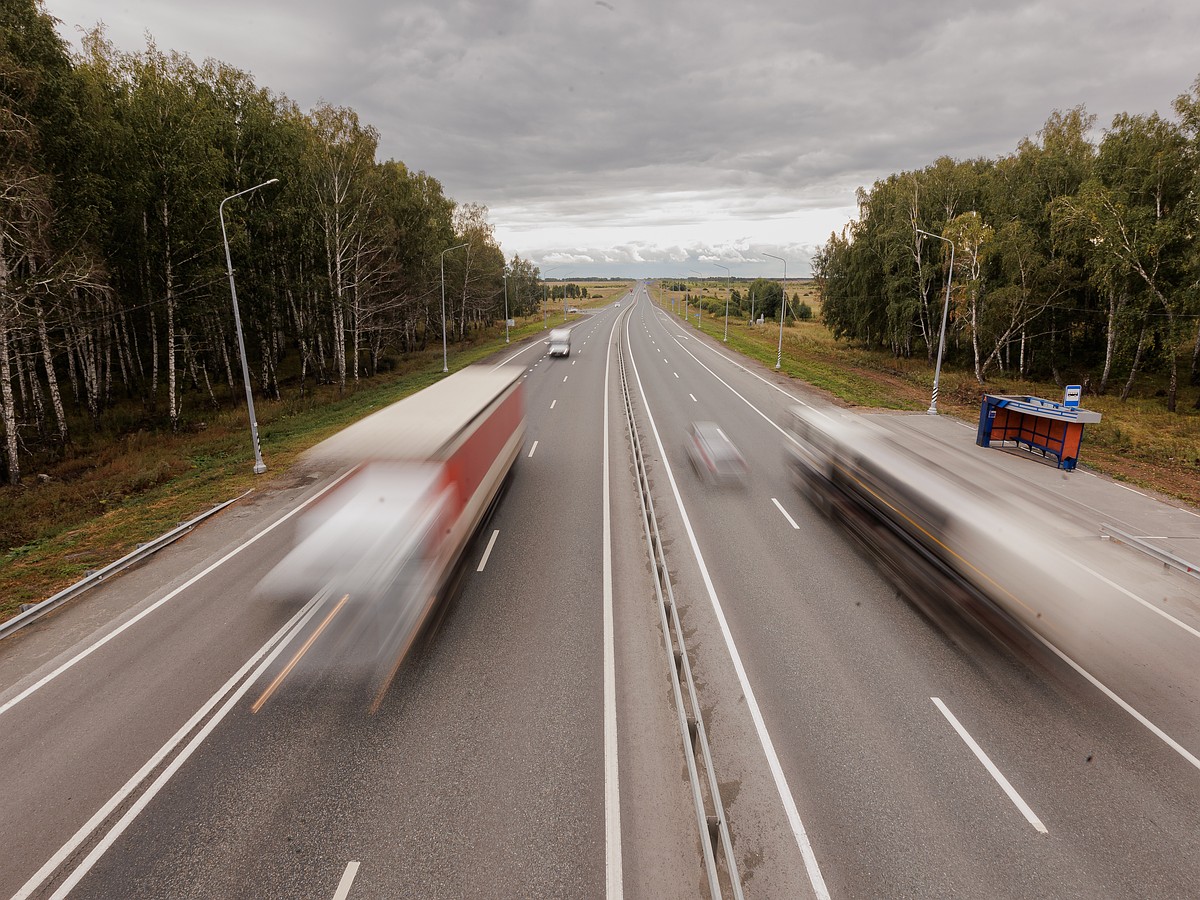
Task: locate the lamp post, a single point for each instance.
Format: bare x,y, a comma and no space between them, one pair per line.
505,307
699,305
937,372
782,304
727,293
445,366
545,302
259,465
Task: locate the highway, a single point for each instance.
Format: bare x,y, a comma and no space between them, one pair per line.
165,736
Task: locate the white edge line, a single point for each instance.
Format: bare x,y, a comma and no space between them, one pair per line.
1016,798
779,506
1113,696
1132,596
760,726
46,679
488,552
69,848
614,879
348,876
531,449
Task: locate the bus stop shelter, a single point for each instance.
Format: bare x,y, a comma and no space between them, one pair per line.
1053,429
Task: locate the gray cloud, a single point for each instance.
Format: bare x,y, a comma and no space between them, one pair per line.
616,117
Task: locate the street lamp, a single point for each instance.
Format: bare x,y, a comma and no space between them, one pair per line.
727,293
506,307
782,304
699,305
937,372
545,302
445,366
259,465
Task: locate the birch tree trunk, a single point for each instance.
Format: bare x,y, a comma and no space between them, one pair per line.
8,409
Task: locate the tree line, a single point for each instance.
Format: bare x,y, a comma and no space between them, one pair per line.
1072,259
113,287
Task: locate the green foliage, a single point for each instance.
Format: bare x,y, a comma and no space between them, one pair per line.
1071,261
112,171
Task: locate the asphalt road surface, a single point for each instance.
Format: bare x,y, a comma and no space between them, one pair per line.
529,746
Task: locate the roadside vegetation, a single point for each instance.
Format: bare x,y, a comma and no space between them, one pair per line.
1138,440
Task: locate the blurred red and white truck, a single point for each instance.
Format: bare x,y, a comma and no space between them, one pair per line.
424,473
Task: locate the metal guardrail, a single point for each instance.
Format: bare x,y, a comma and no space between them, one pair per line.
35,612
713,826
1163,556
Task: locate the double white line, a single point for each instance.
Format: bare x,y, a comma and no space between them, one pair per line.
231,692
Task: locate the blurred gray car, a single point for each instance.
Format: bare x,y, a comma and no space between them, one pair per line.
713,455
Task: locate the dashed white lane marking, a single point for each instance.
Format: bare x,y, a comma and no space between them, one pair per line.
343,888
779,506
1016,798
552,402
564,378
693,396
574,361
676,374
488,552
531,449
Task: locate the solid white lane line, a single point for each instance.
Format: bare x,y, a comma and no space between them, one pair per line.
614,879
552,402
1112,695
531,449
42,682
693,396
779,507
1008,789
343,888
1126,488
760,726
272,649
1146,603
488,552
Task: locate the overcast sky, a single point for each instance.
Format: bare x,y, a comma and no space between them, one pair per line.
655,138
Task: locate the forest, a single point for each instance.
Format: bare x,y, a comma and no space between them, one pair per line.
1069,259
115,304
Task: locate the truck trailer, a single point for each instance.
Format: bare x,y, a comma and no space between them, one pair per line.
423,474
